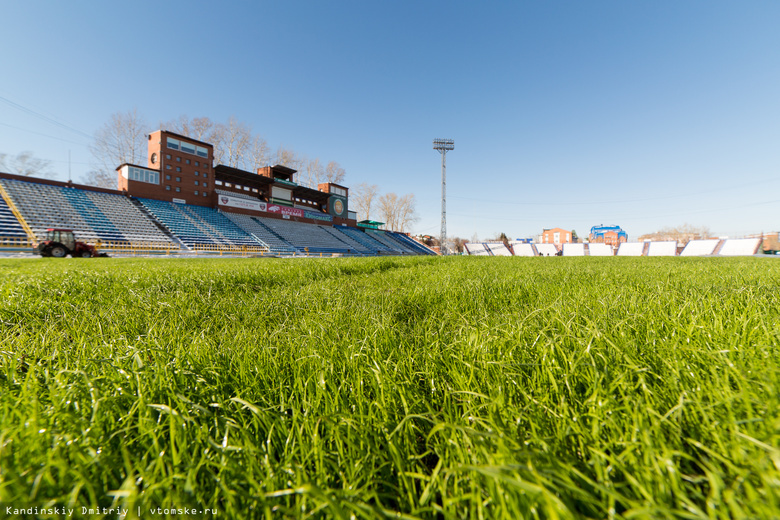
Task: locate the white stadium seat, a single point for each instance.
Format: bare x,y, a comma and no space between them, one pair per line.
740,247
666,248
477,249
547,249
600,250
700,247
631,249
523,249
499,249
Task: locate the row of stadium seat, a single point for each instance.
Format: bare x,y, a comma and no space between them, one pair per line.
705,247
91,215
198,225
9,225
412,245
96,216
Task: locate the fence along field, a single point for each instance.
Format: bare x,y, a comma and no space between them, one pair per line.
422,387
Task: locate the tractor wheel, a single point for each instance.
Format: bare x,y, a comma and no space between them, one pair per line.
85,254
58,252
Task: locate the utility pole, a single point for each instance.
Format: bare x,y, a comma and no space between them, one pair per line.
443,146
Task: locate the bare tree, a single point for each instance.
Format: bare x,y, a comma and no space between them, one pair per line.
388,210
682,234
334,173
259,153
200,128
122,139
361,197
232,143
312,172
25,163
457,243
287,157
406,212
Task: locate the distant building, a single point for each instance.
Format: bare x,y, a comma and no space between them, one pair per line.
556,236
611,235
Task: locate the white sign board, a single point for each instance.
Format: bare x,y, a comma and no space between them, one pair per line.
239,202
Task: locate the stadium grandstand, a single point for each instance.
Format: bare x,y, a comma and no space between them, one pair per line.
709,247
179,202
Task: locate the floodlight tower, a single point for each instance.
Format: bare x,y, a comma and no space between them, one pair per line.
443,146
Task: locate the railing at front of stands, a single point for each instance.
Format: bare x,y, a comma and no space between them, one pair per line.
154,248
16,243
22,222
136,248
229,250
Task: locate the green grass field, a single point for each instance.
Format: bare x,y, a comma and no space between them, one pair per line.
463,387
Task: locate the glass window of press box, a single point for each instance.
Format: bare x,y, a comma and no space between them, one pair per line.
176,144
141,175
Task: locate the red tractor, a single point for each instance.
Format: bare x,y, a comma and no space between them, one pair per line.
61,242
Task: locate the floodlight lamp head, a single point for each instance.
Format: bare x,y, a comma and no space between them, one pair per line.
443,144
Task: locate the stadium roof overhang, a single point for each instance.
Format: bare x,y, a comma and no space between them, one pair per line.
277,170
371,224
234,175
317,196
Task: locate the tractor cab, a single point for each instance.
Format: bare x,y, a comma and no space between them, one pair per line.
62,236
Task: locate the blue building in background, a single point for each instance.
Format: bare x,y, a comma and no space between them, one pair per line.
613,235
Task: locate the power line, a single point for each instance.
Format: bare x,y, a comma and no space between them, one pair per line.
44,135
43,117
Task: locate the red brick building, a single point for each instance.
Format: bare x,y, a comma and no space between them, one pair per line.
611,235
556,236
179,169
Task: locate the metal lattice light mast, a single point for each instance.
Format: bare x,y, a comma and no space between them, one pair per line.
443,146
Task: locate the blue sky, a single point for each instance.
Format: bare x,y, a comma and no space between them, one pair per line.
564,114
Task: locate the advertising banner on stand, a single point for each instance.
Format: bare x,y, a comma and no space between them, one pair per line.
316,215
284,210
240,202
